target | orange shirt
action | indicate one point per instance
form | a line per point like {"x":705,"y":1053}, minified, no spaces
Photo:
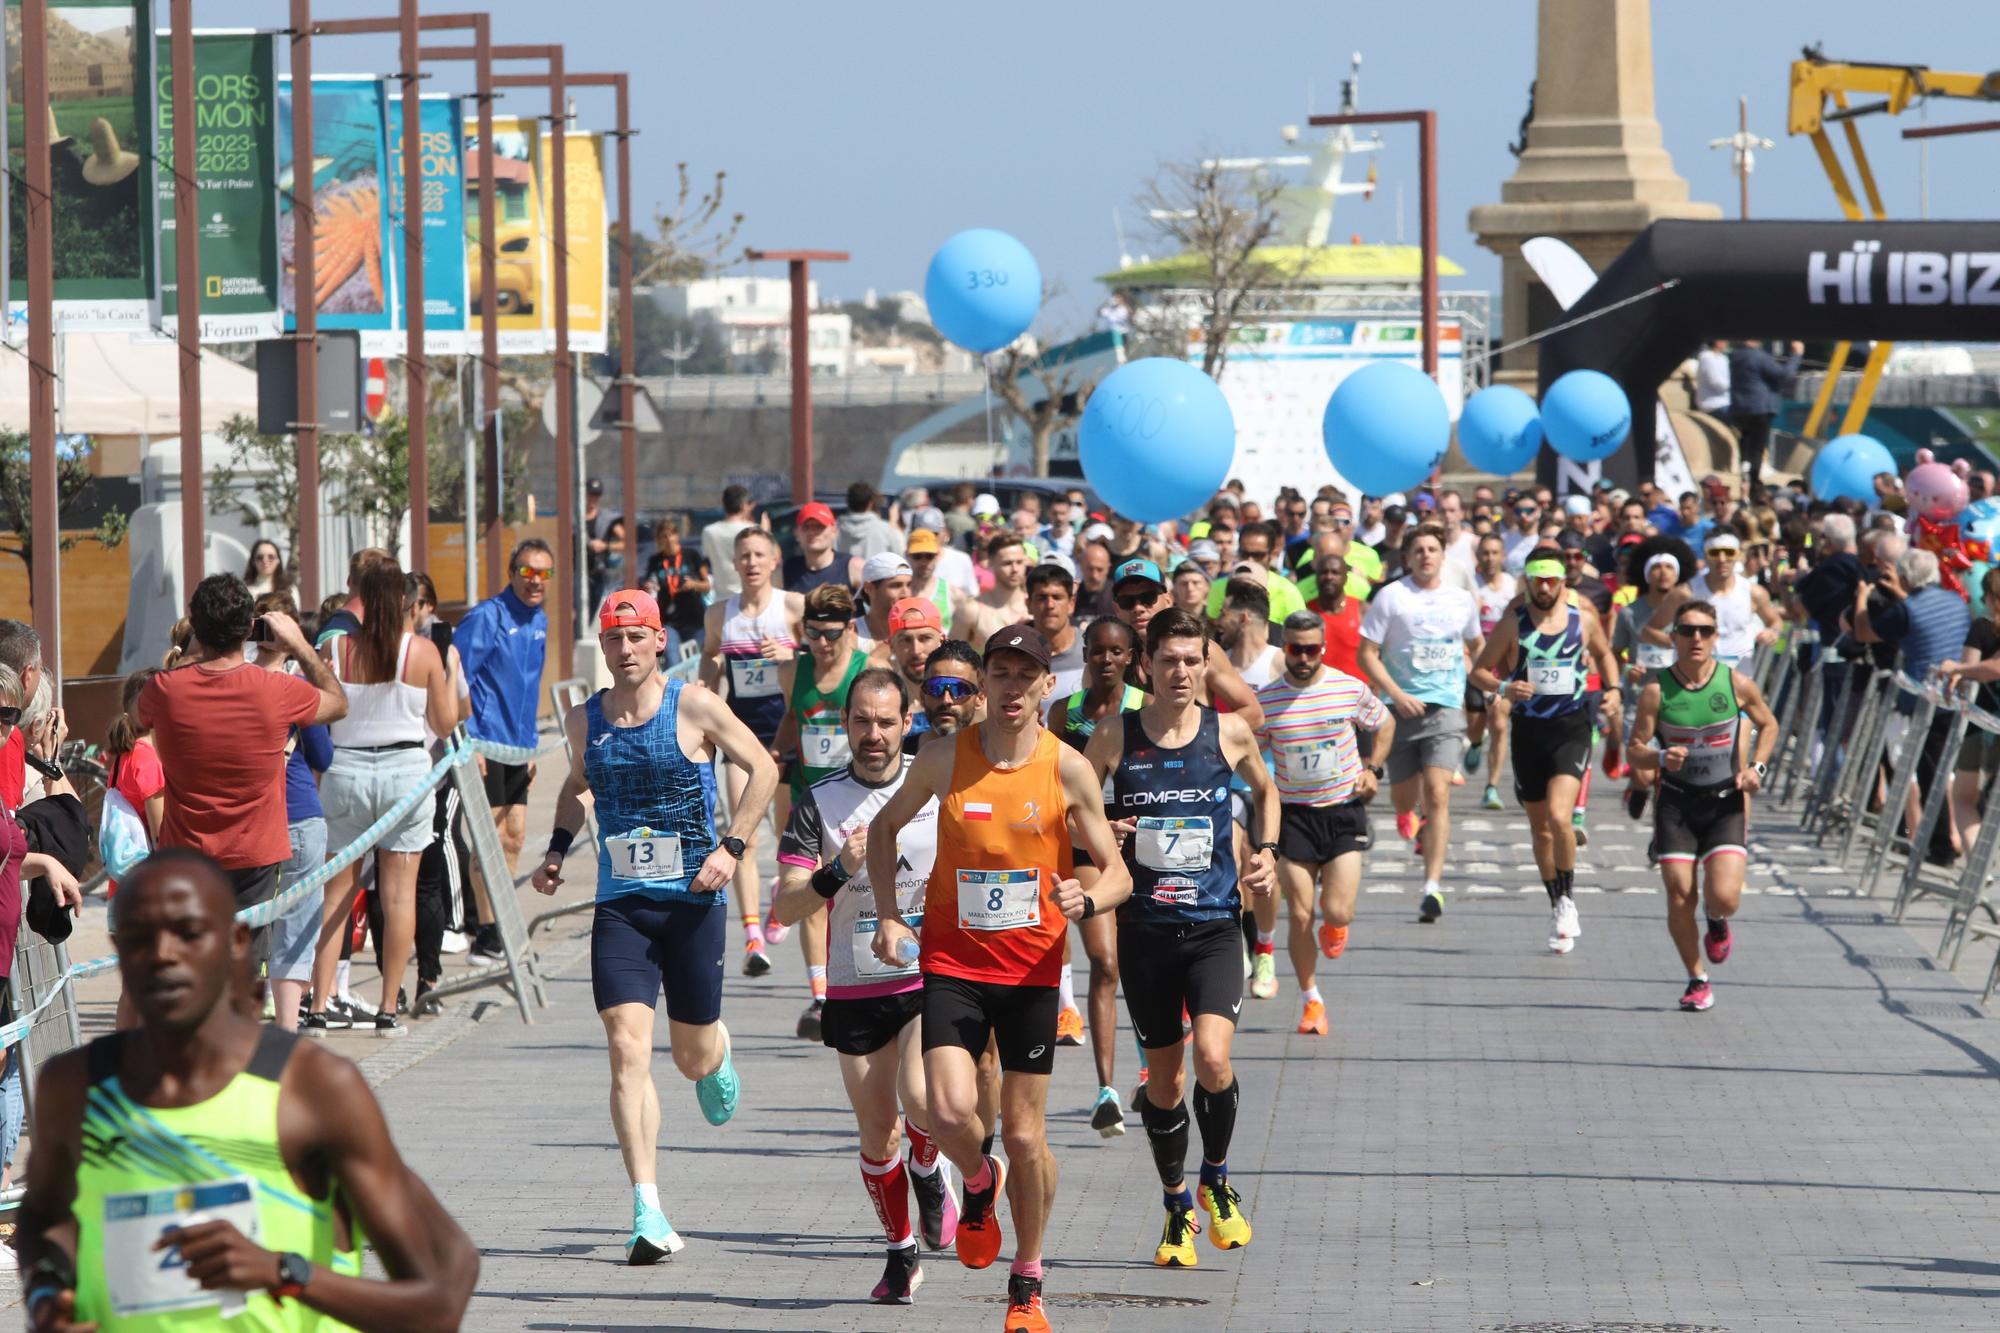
{"x":1002,"y":843}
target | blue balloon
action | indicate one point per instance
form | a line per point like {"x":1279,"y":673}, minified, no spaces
{"x":1500,"y":430}
{"x":1848,"y":465}
{"x":1156,"y":439}
{"x":1586,"y":416}
{"x":983,"y":289}
{"x":1386,"y":427}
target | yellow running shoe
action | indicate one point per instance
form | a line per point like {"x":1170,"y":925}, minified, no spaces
{"x":1177,"y":1240}
{"x":1263,"y":976}
{"x":1228,"y":1228}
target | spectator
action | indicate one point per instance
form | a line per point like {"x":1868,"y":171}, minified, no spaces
{"x":604,"y":535}
{"x":220,"y":726}
{"x":816,"y":562}
{"x":444,"y":896}
{"x":504,"y":643}
{"x":1927,"y":623}
{"x":678,"y":580}
{"x":1711,"y":379}
{"x":718,"y":545}
{"x":265,"y":571}
{"x":21,"y":653}
{"x":1757,"y":384}
{"x":863,"y":532}
{"x":295,"y":933}
{"x":395,"y":683}
{"x":132,"y":772}
{"x":346,"y":617}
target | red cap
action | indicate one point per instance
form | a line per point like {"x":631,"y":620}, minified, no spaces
{"x":915,"y":613}
{"x":629,"y":606}
{"x":816,"y":513}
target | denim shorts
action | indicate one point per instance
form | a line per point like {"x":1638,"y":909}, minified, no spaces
{"x":359,"y":788}
{"x":295,"y":934}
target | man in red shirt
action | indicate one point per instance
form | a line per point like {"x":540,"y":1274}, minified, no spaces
{"x":1340,"y":613}
{"x":220,"y":725}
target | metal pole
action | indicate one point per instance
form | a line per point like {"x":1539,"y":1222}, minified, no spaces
{"x":489,"y":301}
{"x":416,"y":370}
{"x":468,"y":385}
{"x":802,"y":418}
{"x":1742,"y":174}
{"x":187,"y":282}
{"x":1427,"y":149}
{"x":44,"y":505}
{"x":628,"y":356}
{"x":304,"y":286}
{"x":567,"y":491}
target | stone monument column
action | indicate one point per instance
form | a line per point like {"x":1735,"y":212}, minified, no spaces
{"x":1593,"y":172}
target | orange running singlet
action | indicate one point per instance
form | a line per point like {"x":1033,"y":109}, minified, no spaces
{"x":1002,"y":842}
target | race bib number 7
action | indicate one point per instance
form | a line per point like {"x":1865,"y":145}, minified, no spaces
{"x":1173,"y":844}
{"x":999,"y":899}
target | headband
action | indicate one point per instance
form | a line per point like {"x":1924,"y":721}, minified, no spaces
{"x":1546,"y":569}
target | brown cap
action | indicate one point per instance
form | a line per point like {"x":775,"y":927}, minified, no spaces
{"x":1022,"y":638}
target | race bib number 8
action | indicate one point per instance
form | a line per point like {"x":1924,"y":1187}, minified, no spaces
{"x":1556,"y":678}
{"x":144,"y":1281}
{"x":644,"y":854}
{"x":999,"y":899}
{"x":753,"y":677}
{"x":866,"y":965}
{"x":823,"y":745}
{"x":1174,"y":844}
{"x":1435,"y":655}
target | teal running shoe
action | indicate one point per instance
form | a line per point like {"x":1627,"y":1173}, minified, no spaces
{"x":653,"y":1237}
{"x":717,"y":1091}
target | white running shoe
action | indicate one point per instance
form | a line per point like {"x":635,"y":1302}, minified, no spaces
{"x":454,"y":941}
{"x":1563,"y":927}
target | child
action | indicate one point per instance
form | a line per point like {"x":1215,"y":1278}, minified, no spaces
{"x":132,"y":768}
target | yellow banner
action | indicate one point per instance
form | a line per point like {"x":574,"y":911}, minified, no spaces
{"x":522,"y":236}
{"x":586,"y":245}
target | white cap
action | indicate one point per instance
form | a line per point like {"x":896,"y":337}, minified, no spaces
{"x":930,"y":519}
{"x":885,"y":565}
{"x":1397,"y":498}
{"x":1578,"y":505}
{"x":1098,"y":532}
{"x":985,"y":504}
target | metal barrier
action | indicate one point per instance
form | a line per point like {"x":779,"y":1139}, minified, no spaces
{"x":1885,"y":824}
{"x":1966,"y":886}
{"x":1826,"y":769}
{"x":1853,"y":781}
{"x":1800,"y":723}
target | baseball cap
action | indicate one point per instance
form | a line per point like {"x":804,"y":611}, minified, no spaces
{"x":883,"y":565}
{"x":629,"y":606}
{"x":1022,"y":638}
{"x":930,"y":519}
{"x":915,"y":613}
{"x":1577,"y":505}
{"x":985,"y":504}
{"x":922,"y":542}
{"x":1060,"y":561}
{"x":1098,"y":532}
{"x":1569,"y":541}
{"x":1140,"y":568}
{"x":1396,"y":498}
{"x":816,"y":513}
{"x":596,"y":486}
{"x":1204,"y":550}
{"x":1425,"y":500}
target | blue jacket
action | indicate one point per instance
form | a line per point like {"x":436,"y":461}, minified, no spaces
{"x":1757,"y":381}
{"x":503,"y":643}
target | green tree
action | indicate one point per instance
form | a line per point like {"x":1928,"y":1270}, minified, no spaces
{"x":260,"y":482}
{"x":73,"y":483}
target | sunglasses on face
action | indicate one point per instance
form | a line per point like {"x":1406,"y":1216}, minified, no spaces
{"x":1695,"y":631}
{"x":533,"y":575}
{"x":950,"y":687}
{"x":1304,"y":649}
{"x":825,"y":633}
{"x":1132,"y":601}
{"x":1525,"y":511}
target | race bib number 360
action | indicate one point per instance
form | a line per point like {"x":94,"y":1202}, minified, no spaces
{"x":999,"y":899}
{"x":1435,"y":655}
{"x":144,"y":1281}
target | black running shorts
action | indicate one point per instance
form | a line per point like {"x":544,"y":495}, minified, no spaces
{"x":1165,"y":966}
{"x":506,"y":784}
{"x":1548,"y":747}
{"x":1694,"y":826}
{"x":1020,"y":1019}
{"x":865,"y":1026}
{"x":1312,"y":835}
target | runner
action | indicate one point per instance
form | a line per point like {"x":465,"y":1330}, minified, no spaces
{"x":1244,"y":632}
{"x":886,"y":579}
{"x":1493,"y":588}
{"x":1107,"y":646}
{"x":1012,"y":801}
{"x":1169,"y":765}
{"x":1006,"y":602}
{"x":1545,"y":650}
{"x":1052,"y":610}
{"x":1313,"y":717}
{"x":813,"y":731}
{"x":924,"y":553}
{"x":1744,"y":611}
{"x":1137,"y":594}
{"x":950,"y":696}
{"x":1417,"y":637}
{"x":1702,"y":816}
{"x":1657,"y":566}
{"x":914,"y":634}
{"x":751,"y":639}
{"x":643,"y":748}
{"x":871,"y":1012}
{"x":200,"y":1128}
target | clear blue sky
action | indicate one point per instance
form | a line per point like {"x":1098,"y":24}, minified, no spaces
{"x":881,"y":128}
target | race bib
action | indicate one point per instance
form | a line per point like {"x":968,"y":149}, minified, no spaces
{"x":1653,"y":656}
{"x":999,"y":899}
{"x":1435,"y":655}
{"x":644,"y":854}
{"x":1307,"y":763}
{"x":824,"y":745}
{"x":753,"y":677}
{"x":866,"y":965}
{"x":1173,"y":844}
{"x":145,"y":1281}
{"x":1728,"y":661}
{"x":1552,"y":678}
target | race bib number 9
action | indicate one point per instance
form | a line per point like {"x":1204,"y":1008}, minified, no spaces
{"x":866,"y":965}
{"x":823,"y":745}
{"x":1173,"y":844}
{"x":644,"y":854}
{"x":1435,"y":655}
{"x":999,"y":899}
{"x":1557,"y":678}
{"x":753,"y":677}
{"x":144,"y":1281}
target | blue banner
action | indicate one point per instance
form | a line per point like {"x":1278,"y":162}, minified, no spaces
{"x":356,"y":261}
{"x":445,"y":293}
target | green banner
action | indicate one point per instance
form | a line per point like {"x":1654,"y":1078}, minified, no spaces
{"x":100,"y":105}
{"x":236,"y":184}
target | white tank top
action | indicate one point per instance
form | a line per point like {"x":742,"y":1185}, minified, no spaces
{"x":389,"y":713}
{"x":1735,"y":618}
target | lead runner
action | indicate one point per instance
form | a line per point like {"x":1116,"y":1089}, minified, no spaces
{"x":1012,"y":800}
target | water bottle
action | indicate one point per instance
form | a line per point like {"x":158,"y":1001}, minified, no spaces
{"x":906,"y":952}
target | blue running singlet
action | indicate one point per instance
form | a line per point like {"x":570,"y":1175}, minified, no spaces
{"x":655,"y":807}
{"x":1183,"y":854}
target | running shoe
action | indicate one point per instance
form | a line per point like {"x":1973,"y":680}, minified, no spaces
{"x":1333,"y":940}
{"x":1472,"y":755}
{"x":1408,"y":824}
{"x":1024,"y":1305}
{"x":1457,"y":778}
{"x":358,"y":1012}
{"x":717,"y":1091}
{"x":1697,"y":996}
{"x":1491,"y":801}
{"x":318,"y":1025}
{"x":1069,"y":1028}
{"x":653,"y":1237}
{"x":1264,"y":975}
{"x":386,"y":1025}
{"x":1431,"y":908}
{"x":901,"y":1277}
{"x":1561,"y":938}
{"x":1716,"y":943}
{"x":1576,"y":824}
{"x":486,"y":944}
{"x":937,"y":1206}
{"x":1635,"y":800}
{"x":979,"y":1221}
{"x":1105,"y":1117}
{"x":811,"y":1026}
{"x":1228,"y":1228}
{"x":756,"y":962}
{"x":1176,"y":1249}
{"x":1139,"y":1093}
{"x":454,"y":941}
{"x":1312,"y":1022}
{"x":774,"y":930}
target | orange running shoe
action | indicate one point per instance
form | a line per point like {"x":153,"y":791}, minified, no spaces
{"x":1024,"y":1305}
{"x":1408,"y":825}
{"x":979,"y":1223}
{"x":1312,"y":1023}
{"x":1332,"y":940}
{"x":1069,"y":1028}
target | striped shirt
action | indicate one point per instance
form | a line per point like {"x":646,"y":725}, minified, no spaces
{"x":1310,"y":733}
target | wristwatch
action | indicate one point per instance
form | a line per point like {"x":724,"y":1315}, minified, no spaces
{"x":1379,"y":771}
{"x":1760,"y":769}
{"x":734,"y":846}
{"x":1270,"y":847}
{"x":294,"y":1272}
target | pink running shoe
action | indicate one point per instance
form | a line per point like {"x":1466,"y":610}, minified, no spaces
{"x":1697,"y":997}
{"x":774,"y":933}
{"x":1716,"y":943}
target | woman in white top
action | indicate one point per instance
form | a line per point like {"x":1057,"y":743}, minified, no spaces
{"x":396,"y":685}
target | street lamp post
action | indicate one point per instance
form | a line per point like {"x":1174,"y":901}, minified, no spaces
{"x":43,"y":505}
{"x":628,"y":357}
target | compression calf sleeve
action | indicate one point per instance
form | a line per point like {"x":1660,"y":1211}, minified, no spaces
{"x":1167,"y":1135}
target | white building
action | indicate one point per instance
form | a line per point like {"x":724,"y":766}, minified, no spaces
{"x":755,"y":315}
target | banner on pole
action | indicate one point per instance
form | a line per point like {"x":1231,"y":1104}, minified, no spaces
{"x":521,"y":241}
{"x":355,"y":258}
{"x":585,"y":247}
{"x":236,"y":184}
{"x":100,"y":64}
{"x":446,"y":306}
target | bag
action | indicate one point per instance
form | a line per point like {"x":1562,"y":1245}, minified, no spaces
{"x":121,"y":835}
